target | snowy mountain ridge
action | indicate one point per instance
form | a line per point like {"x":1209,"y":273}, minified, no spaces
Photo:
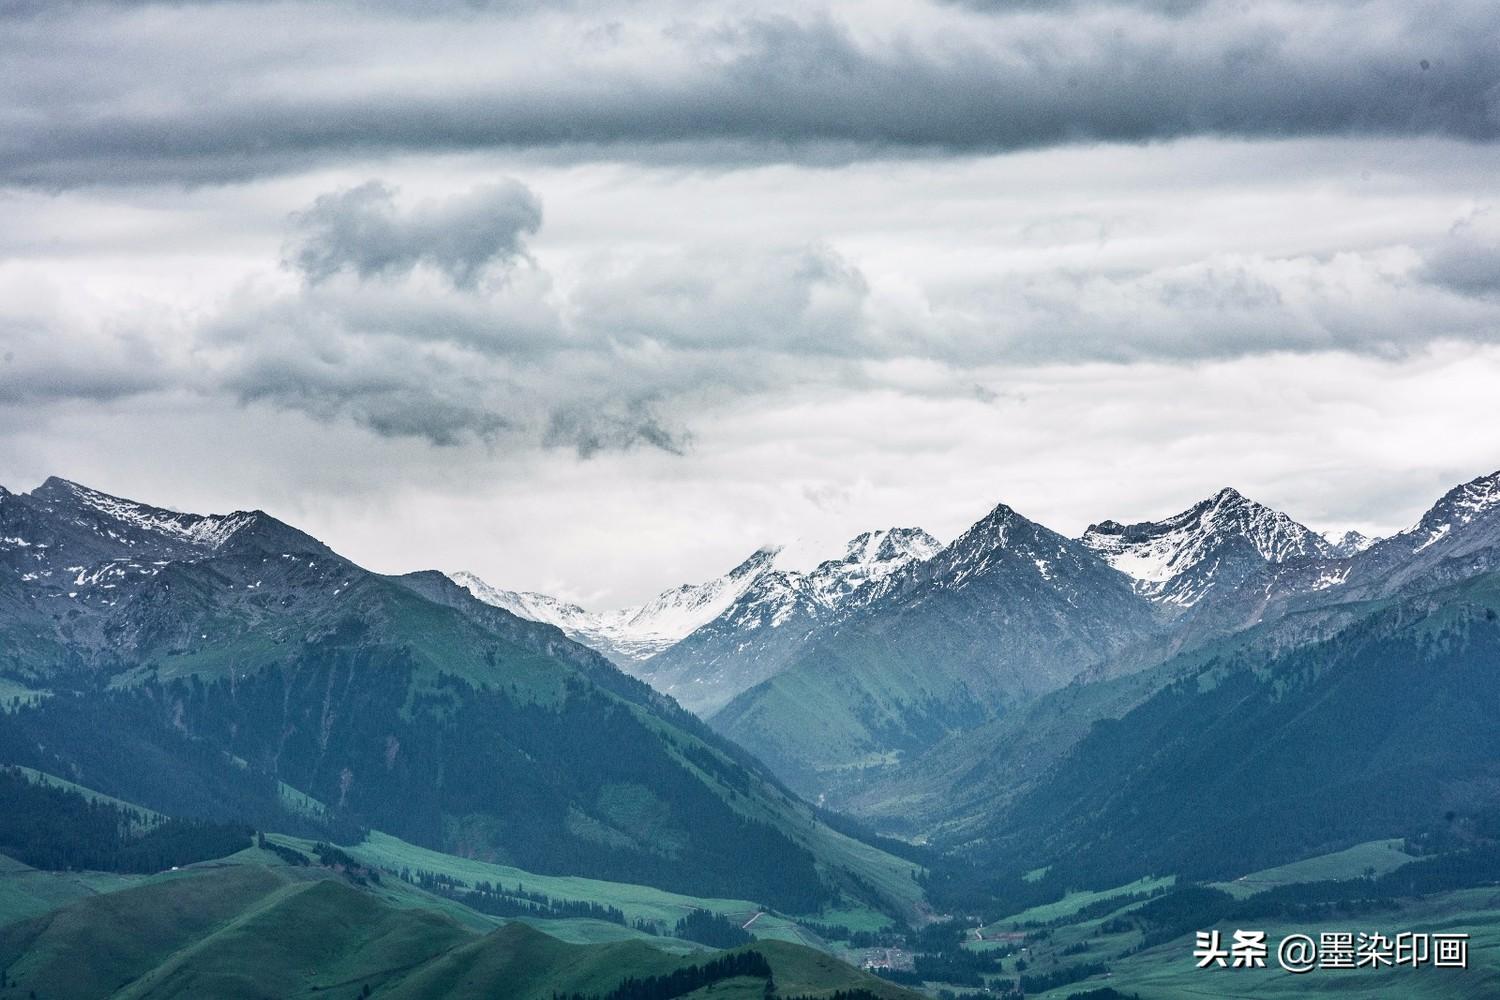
{"x":1219,"y":540}
{"x":1457,"y":508}
{"x":1348,"y":543}
{"x":127,"y":521}
{"x":758,"y":592}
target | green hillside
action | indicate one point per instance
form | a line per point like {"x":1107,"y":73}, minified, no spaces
{"x":265,"y":680}
{"x":252,"y":930}
{"x":1008,"y":611}
{"x":1260,"y":758}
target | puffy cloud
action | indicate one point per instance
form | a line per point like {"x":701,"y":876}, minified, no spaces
{"x":362,"y":230}
{"x":433,"y":321}
{"x":592,"y":429}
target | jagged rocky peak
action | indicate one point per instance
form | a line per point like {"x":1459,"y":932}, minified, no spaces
{"x":1466,"y":503}
{"x":891,"y":544}
{"x":1348,"y":543}
{"x":1177,"y":559}
{"x":133,"y":523}
{"x":1004,"y":543}
{"x":757,"y":562}
{"x":1461,"y":506}
{"x":992,"y":530}
{"x":68,"y":541}
{"x":869,"y":558}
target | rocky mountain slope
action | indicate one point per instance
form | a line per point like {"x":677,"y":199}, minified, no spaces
{"x":1007,"y":611}
{"x":970,"y":784}
{"x":757,"y":636}
{"x":1217,"y":542}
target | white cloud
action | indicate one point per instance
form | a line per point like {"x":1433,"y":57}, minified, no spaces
{"x":748,"y":349}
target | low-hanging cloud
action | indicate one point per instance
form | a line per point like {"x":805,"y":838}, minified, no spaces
{"x":803,"y":300}
{"x":592,"y":428}
{"x":364,"y":231}
{"x":411,"y":326}
{"x":118,"y":95}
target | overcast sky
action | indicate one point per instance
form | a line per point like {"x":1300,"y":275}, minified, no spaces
{"x":596,"y":298}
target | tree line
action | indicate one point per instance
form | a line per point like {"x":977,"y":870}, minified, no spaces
{"x":61,"y":829}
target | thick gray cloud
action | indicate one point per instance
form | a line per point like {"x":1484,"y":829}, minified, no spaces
{"x":590,"y":429}
{"x":137,"y":95}
{"x":1467,"y":259}
{"x":362,"y":230}
{"x":368,"y":339}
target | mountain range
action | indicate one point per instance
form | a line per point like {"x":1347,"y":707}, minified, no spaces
{"x":1220,"y":691}
{"x":1271,"y":723}
{"x":234,"y":667}
{"x":705,"y":643}
{"x":864,"y":703}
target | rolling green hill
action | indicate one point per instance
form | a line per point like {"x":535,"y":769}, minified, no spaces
{"x":254,"y":930}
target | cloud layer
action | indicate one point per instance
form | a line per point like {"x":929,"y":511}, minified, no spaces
{"x":600,"y":296}
{"x":361,"y":230}
{"x":433,"y":319}
{"x":198,"y":92}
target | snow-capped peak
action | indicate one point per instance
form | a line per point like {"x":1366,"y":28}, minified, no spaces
{"x":869,"y":557}
{"x":524,"y":604}
{"x":208,"y":531}
{"x":1348,"y":543}
{"x":1176,"y":559}
{"x":890,"y":545}
{"x":637,"y":632}
{"x":1456,"y":508}
{"x":641,"y":631}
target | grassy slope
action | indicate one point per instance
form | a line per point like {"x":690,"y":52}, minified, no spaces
{"x":1381,"y":855}
{"x":821,"y":721}
{"x":26,"y":892}
{"x":1075,"y":901}
{"x":13,"y":694}
{"x":892,"y":879}
{"x":637,"y":902}
{"x":1117,"y":802}
{"x":952,"y":792}
{"x":233,"y":930}
{"x":1169,"y":972}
